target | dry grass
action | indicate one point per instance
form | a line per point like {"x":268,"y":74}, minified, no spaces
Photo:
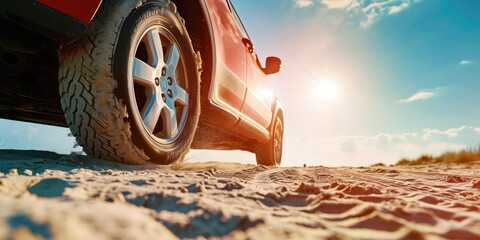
{"x":464,"y":156}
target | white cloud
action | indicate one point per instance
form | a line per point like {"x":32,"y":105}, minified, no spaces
{"x":418,"y":96}
{"x":477,"y":130}
{"x":365,"y":11}
{"x":303,"y":3}
{"x":454,"y":132}
{"x":337,"y":3}
{"x":375,"y":6}
{"x":466,"y":62}
{"x":373,"y":10}
{"x":397,"y":8}
{"x":450,"y":133}
{"x":384,"y":147}
{"x":371,"y":17}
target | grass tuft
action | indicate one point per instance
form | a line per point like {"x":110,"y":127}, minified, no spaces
{"x":464,"y":156}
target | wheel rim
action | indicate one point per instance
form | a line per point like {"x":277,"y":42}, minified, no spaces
{"x":160,"y":88}
{"x":278,"y":142}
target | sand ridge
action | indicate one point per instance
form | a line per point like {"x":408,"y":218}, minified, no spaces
{"x":46,"y":195}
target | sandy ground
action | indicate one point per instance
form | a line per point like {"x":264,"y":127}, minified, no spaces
{"x":45,"y":195}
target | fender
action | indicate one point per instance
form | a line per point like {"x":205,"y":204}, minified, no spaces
{"x":83,"y":10}
{"x":213,"y":65}
{"x":277,"y":111}
{"x":55,"y":19}
{"x":212,"y":111}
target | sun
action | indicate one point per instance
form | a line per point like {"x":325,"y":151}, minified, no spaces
{"x":327,"y":90}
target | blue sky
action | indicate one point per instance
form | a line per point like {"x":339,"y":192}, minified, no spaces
{"x":407,"y":74}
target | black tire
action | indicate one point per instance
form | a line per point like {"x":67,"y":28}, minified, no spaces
{"x":270,"y":153}
{"x":99,"y":97}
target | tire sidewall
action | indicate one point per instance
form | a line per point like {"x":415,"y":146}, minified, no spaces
{"x":278,"y":124}
{"x":140,"y":20}
{"x":265,"y":153}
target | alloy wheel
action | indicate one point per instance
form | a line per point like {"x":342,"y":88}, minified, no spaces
{"x":160,"y":86}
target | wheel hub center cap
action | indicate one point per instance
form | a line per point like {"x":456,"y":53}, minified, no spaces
{"x":163,"y":84}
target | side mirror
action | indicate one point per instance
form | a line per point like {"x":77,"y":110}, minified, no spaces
{"x":272,"y":65}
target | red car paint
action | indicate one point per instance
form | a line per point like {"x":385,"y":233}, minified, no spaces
{"x":231,"y":55}
{"x":240,"y":85}
{"x":83,"y":10}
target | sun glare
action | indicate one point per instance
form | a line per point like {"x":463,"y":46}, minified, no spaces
{"x":326,"y":90}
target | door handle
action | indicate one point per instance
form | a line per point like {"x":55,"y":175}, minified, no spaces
{"x":248,"y":45}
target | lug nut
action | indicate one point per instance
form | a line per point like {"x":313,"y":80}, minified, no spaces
{"x":157,"y":82}
{"x":170,"y":81}
{"x":164,"y":98}
{"x":169,"y":92}
{"x":164,"y":71}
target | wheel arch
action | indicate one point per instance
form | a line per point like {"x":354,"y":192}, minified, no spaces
{"x":199,"y":27}
{"x":277,"y":111}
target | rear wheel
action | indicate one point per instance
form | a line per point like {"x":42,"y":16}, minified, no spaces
{"x":270,"y":153}
{"x":130,"y":88}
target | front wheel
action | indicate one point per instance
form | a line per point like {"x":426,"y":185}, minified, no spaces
{"x":130,"y":88}
{"x":270,"y":153}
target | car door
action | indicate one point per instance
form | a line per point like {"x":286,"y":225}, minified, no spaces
{"x":257,"y":108}
{"x":229,"y":87}
{"x":259,"y":99}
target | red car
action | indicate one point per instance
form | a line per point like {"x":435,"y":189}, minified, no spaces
{"x":140,"y":81}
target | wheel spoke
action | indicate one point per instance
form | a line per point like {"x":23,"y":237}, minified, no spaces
{"x":152,"y":110}
{"x":170,"y":122}
{"x":157,"y":75}
{"x":154,"y":48}
{"x":173,"y":57}
{"x":143,"y":73}
{"x":182,"y":96}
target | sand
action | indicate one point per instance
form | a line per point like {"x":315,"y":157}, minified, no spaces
{"x":49,"y":196}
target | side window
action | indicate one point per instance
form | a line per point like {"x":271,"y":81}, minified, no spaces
{"x":236,"y":17}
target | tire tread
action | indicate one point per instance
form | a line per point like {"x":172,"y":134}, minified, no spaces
{"x":95,"y":116}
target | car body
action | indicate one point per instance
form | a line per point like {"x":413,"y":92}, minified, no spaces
{"x":238,"y":107}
